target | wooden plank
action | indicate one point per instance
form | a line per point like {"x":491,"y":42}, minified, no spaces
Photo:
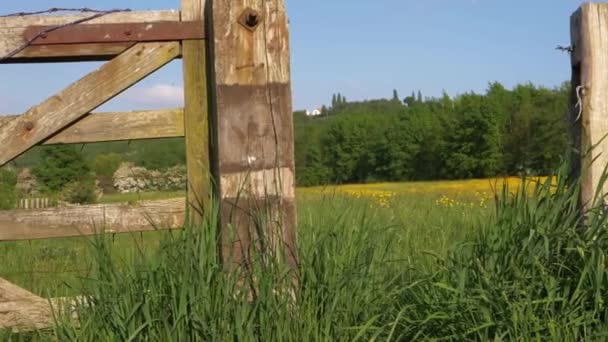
{"x":12,"y":30}
{"x":253,"y":121}
{"x":91,"y":219}
{"x":83,"y":96}
{"x":68,"y":53}
{"x":589,"y":27}
{"x":156,"y":31}
{"x":22,"y":310}
{"x":137,"y":125}
{"x":196,"y":116}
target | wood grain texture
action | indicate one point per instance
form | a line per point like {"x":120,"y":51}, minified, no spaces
{"x":13,"y":28}
{"x":91,"y":219}
{"x":21,"y":310}
{"x":589,"y":27}
{"x":253,"y":121}
{"x":68,"y":53}
{"x":196,"y":115}
{"x":61,"y":110}
{"x":136,"y":125}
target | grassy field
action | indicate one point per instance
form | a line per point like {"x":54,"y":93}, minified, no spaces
{"x":403,"y":262}
{"x":428,"y":214}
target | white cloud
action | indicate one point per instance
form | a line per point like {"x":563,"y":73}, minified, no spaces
{"x":161,"y":95}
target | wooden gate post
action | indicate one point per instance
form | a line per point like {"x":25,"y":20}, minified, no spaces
{"x":589,"y":114}
{"x":253,"y":121}
{"x":196,"y":117}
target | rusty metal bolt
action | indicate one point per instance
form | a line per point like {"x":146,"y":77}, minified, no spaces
{"x":250,"y":19}
{"x":128,"y":33}
{"x":29,"y":125}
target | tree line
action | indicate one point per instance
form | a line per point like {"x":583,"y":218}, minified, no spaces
{"x":499,"y":133}
{"x":502,"y":132}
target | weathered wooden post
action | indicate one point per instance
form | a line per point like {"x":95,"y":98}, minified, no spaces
{"x":589,"y":114}
{"x":253,"y":124}
{"x":196,"y":114}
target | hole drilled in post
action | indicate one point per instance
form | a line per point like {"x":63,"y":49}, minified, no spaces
{"x":250,"y":19}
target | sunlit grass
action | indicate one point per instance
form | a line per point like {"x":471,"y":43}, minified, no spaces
{"x":387,"y":266}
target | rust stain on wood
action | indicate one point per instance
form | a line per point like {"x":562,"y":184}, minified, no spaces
{"x":12,"y":30}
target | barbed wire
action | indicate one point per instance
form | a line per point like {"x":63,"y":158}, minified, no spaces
{"x":55,"y":10}
{"x":567,"y":49}
{"x":43,"y":33}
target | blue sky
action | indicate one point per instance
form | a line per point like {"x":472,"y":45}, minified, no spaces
{"x":361,"y":48}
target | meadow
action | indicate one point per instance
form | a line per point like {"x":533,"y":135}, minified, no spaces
{"x":429,"y":205}
{"x":477,"y":260}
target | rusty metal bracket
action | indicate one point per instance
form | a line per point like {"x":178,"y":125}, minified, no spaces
{"x":116,"y":33}
{"x":250,"y":19}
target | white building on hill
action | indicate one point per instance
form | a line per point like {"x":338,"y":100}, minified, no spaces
{"x":315,"y":112}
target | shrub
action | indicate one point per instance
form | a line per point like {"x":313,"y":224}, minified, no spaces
{"x":8,"y":192}
{"x":106,"y":164}
{"x":60,"y":166}
{"x":80,"y":192}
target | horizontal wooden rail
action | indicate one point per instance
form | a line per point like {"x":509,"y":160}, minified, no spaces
{"x":12,"y":30}
{"x":91,"y":220}
{"x":138,"y":125}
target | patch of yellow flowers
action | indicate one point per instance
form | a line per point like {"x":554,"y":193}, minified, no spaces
{"x":480,"y":200}
{"x":451,"y":194}
{"x":381,"y":198}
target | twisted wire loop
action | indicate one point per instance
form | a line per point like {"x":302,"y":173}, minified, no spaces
{"x":580,"y":92}
{"x":97,"y":14}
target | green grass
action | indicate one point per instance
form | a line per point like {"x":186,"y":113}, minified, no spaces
{"x":408,"y":268}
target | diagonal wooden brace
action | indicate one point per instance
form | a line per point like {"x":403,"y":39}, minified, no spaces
{"x":76,"y":101}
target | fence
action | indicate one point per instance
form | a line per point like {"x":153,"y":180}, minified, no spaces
{"x":34,"y":203}
{"x":236,"y":119}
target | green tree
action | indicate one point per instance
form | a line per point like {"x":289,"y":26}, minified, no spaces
{"x":396,"y":95}
{"x":60,"y":166}
{"x":472,"y":149}
{"x":344,"y":146}
{"x":314,"y":172}
{"x":410,"y":101}
{"x":324,"y":111}
{"x":159,"y":154}
{"x":106,"y":164}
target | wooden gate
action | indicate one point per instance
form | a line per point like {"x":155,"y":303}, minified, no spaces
{"x":237,"y":116}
